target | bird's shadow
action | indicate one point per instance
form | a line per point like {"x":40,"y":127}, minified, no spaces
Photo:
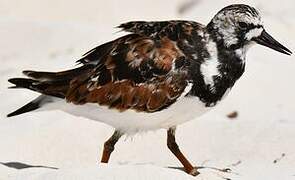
{"x":224,"y":170}
{"x":20,"y":165}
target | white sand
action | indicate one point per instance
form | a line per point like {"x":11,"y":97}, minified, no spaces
{"x":51,"y":35}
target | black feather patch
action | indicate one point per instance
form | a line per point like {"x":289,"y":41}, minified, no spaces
{"x":26,"y":108}
{"x":33,"y":105}
{"x":22,"y":82}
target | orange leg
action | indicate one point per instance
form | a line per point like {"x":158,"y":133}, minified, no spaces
{"x":172,"y":145}
{"x":109,"y":146}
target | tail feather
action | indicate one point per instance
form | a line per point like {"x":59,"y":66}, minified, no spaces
{"x":57,"y":76}
{"x":53,"y":88}
{"x":39,"y":75}
{"x":33,"y":105}
{"x":22,"y":82}
{"x":48,"y":84}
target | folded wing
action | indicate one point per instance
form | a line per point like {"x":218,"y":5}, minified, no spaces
{"x":135,"y":72}
{"x":146,"y":70}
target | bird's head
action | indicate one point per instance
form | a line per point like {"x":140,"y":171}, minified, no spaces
{"x":237,"y":26}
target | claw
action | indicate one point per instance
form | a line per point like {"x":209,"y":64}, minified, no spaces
{"x":194,"y":172}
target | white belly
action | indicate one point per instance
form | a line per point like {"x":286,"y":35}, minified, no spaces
{"x":130,"y":121}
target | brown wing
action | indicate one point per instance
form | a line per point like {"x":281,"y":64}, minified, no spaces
{"x":134,"y":72}
{"x":145,"y":71}
{"x":147,"y":97}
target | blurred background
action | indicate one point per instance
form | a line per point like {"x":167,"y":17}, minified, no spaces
{"x":258,"y":142}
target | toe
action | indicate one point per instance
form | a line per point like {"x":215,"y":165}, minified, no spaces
{"x":194,"y":172}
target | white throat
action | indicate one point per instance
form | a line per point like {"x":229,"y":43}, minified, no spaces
{"x":209,"y":68}
{"x":241,"y":52}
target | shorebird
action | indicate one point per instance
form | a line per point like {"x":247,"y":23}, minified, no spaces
{"x":160,"y":75}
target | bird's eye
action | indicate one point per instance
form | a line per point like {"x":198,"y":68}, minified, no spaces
{"x":243,"y":25}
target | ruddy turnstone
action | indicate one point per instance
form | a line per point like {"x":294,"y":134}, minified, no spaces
{"x":160,"y":75}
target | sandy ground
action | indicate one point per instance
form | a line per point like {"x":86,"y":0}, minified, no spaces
{"x":51,"y":35}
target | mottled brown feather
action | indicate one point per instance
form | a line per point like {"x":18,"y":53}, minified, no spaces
{"x":146,"y":70}
{"x":141,"y":76}
{"x":124,"y":95}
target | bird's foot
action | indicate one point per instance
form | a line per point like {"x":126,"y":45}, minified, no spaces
{"x":194,"y":172}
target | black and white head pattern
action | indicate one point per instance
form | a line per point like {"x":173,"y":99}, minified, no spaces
{"x":236,"y":25}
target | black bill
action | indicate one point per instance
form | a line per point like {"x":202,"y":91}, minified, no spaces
{"x":266,"y":40}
